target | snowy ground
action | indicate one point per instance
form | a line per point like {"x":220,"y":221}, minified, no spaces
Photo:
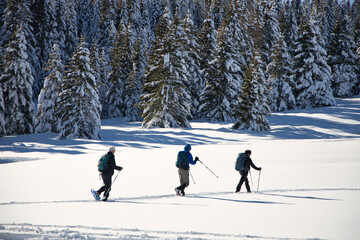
{"x":309,"y":187}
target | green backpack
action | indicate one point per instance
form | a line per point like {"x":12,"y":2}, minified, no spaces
{"x":103,"y":163}
{"x":181,"y":161}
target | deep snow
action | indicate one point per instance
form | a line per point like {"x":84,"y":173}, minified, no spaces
{"x":309,"y":186}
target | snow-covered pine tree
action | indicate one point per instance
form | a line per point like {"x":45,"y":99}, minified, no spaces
{"x":2,"y":110}
{"x":46,"y":119}
{"x":192,"y":60}
{"x":121,"y":69}
{"x":16,"y":82}
{"x":271,"y":31}
{"x":106,"y":32}
{"x":18,"y":13}
{"x":71,"y":34}
{"x":252,"y":107}
{"x":134,"y":88}
{"x":79,"y":100}
{"x":290,"y":28}
{"x":166,"y":99}
{"x":104,"y":70}
{"x":311,"y":71}
{"x":280,"y":81}
{"x":88,"y":19}
{"x":328,"y":19}
{"x":226,"y":71}
{"x":343,"y":60}
{"x":61,"y":26}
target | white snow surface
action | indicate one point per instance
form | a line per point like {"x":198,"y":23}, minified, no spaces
{"x":309,"y":186}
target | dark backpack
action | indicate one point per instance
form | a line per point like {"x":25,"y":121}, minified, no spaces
{"x":240,"y":161}
{"x":103,"y":163}
{"x":181,"y":161}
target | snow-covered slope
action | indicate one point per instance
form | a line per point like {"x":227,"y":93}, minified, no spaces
{"x":309,"y":186}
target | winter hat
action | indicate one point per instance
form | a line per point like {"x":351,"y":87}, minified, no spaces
{"x":188,"y":147}
{"x":112,"y":149}
{"x":247,"y":152}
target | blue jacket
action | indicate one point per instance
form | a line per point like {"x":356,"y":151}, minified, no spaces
{"x":190,"y":159}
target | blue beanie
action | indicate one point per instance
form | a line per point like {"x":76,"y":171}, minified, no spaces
{"x":187,"y":147}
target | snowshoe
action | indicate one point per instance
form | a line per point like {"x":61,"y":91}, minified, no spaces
{"x":95,"y":194}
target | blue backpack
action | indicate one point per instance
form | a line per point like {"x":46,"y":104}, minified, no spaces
{"x":240,"y":161}
{"x":181,"y":161}
{"x":103,"y":163}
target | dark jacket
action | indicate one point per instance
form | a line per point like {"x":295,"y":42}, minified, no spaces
{"x":190,"y":159}
{"x":111,"y":165}
{"x":248,"y":162}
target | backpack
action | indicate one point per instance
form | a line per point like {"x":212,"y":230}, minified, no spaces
{"x":103,"y":163}
{"x":181,"y":161}
{"x":240,"y":160}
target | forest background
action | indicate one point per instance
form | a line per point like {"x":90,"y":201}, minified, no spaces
{"x":65,"y":65}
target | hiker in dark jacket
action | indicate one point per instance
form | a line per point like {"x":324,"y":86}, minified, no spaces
{"x":107,"y":174}
{"x":184,"y":171}
{"x":245,"y":171}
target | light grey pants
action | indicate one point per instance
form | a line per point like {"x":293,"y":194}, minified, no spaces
{"x":184,"y":177}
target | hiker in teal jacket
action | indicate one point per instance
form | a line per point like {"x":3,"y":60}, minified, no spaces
{"x":184,"y":171}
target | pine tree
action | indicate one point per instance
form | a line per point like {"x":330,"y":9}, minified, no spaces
{"x":192,"y":60}
{"x":71,"y":34}
{"x":252,"y":108}
{"x":88,"y":19}
{"x":18,"y":13}
{"x":166,"y":99}
{"x":280,"y":72}
{"x":121,"y":70}
{"x":46,"y":119}
{"x":79,"y":101}
{"x":290,"y":29}
{"x":208,"y":46}
{"x":271,"y":30}
{"x":16,"y":82}
{"x":61,"y":26}
{"x":134,"y":87}
{"x":2,"y":110}
{"x":343,"y":60}
{"x":104,"y":70}
{"x":226,"y":71}
{"x":311,"y":72}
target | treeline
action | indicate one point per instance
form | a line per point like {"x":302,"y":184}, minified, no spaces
{"x":165,"y":62}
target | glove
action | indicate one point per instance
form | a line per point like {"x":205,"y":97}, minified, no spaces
{"x":121,"y":168}
{"x":196,"y":159}
{"x":260,"y":169}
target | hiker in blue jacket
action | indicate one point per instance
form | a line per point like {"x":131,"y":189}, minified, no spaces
{"x":184,"y":168}
{"x":243,"y":164}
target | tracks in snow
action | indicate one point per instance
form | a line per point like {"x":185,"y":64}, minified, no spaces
{"x":275,"y":192}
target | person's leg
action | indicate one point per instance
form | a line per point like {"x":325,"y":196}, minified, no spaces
{"x":103,"y":188}
{"x":107,"y":182}
{"x":184,"y":180}
{"x":242,"y":180}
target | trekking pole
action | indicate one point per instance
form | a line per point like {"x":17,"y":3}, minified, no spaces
{"x":112,"y":183}
{"x":208,"y":168}
{"x":192,"y":177}
{"x":251,"y":179}
{"x":258,"y":181}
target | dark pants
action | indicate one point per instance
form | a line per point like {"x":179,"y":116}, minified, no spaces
{"x":243,"y":179}
{"x":106,"y":187}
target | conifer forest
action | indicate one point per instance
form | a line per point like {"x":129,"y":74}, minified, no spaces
{"x":67,"y":64}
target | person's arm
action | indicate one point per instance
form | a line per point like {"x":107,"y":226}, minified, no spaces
{"x":190,"y":159}
{"x":253,"y":165}
{"x":113,"y":163}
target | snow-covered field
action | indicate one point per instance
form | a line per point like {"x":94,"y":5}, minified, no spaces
{"x":309,"y":187}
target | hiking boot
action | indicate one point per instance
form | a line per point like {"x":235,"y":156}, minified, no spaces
{"x":182,"y":193}
{"x":177,"y":191}
{"x":104,"y":199}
